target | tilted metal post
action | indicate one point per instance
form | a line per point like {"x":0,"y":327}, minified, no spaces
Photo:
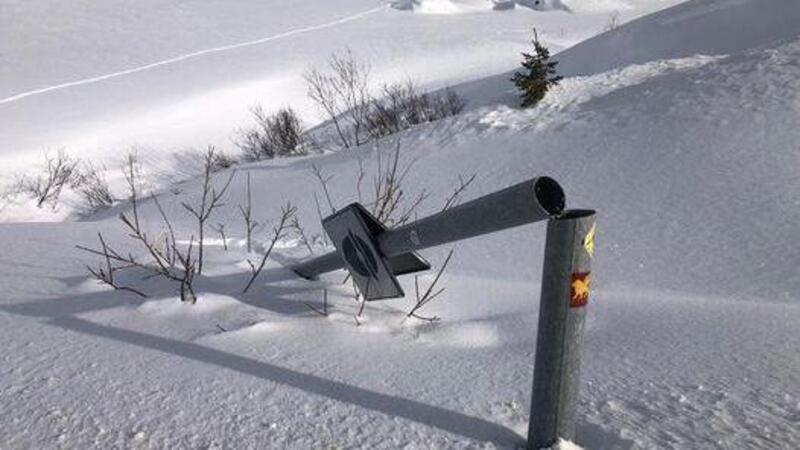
{"x":565,"y":294}
{"x":523,"y":203}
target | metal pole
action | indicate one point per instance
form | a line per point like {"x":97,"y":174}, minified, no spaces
{"x":565,"y":293}
{"x":527,"y":202}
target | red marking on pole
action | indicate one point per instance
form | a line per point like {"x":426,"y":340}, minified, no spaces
{"x":579,"y":289}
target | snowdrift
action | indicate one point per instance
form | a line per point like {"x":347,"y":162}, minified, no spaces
{"x":718,"y":27}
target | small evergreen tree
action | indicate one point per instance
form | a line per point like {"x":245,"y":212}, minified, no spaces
{"x":539,"y":75}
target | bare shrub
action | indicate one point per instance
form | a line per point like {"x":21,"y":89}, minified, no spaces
{"x":210,"y":199}
{"x":168,"y":259}
{"x":613,"y":22}
{"x":59,"y":171}
{"x":388,"y":201}
{"x":105,"y":274}
{"x":93,"y":187}
{"x":342,"y":94}
{"x":221,"y":161}
{"x":402,"y":106}
{"x":274,"y":135}
{"x":390,"y":204}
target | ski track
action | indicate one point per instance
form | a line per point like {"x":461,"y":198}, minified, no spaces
{"x":195,"y":54}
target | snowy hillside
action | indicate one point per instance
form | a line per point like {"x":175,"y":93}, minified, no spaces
{"x":97,"y":77}
{"x":680,"y":128}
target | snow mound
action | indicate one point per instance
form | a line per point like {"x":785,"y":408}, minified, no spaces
{"x":173,"y":307}
{"x":254,"y":333}
{"x":440,"y":6}
{"x":565,"y":445}
{"x":597,"y":6}
{"x":712,"y":27}
{"x":567,"y":97}
{"x":462,"y":335}
{"x":543,"y":5}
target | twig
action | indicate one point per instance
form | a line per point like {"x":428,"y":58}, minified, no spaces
{"x":170,"y":240}
{"x":319,"y":214}
{"x":323,"y":181}
{"x":220,"y":228}
{"x":247,"y":213}
{"x":106,"y":276}
{"x":286,"y":213}
{"x":324,"y":311}
{"x":207,"y":205}
{"x":295,"y":225}
{"x":455,"y":197}
{"x":363,"y":300}
{"x":430,"y":294}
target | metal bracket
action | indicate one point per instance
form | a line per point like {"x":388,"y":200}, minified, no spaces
{"x":354,"y":233}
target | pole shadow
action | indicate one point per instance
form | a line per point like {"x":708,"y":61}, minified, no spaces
{"x":450,"y":421}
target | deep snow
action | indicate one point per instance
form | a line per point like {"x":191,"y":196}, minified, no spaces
{"x":688,"y":152}
{"x":169,"y":77}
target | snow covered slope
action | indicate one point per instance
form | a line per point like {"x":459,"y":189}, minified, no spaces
{"x":98,"y":77}
{"x":690,"y":156}
{"x":718,"y":27}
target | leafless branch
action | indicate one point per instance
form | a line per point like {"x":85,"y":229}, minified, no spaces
{"x":301,"y":234}
{"x":323,"y":181}
{"x":389,"y":205}
{"x":319,"y":214}
{"x":210,"y":200}
{"x":170,"y":240}
{"x":59,"y":171}
{"x":220,"y":228}
{"x":455,"y":197}
{"x":247,"y":214}
{"x":430,"y":293}
{"x":93,"y":187}
{"x":105,"y":274}
{"x":278,"y":232}
{"x":163,"y":260}
{"x":342,"y":93}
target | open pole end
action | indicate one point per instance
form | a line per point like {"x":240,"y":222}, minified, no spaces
{"x":550,"y":195}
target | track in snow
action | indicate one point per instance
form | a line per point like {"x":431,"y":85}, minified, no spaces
{"x":195,"y":54}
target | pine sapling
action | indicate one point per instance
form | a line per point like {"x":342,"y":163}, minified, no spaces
{"x":539,"y":74}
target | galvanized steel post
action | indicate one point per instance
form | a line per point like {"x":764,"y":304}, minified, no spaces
{"x":523,"y":203}
{"x":565,"y":293}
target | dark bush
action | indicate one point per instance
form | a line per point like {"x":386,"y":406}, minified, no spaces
{"x":277,"y":135}
{"x":403,"y":106}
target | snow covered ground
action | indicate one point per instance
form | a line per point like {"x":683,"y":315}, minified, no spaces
{"x":680,"y":128}
{"x":99,"y":77}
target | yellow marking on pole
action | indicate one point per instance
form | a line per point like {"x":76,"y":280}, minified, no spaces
{"x":579,"y":289}
{"x":588,"y":242}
